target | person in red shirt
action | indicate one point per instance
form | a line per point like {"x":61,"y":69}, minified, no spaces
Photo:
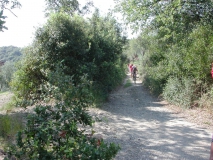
{"x":212,"y":70}
{"x":130,"y":69}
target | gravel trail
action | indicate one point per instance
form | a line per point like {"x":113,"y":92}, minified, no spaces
{"x":147,"y":130}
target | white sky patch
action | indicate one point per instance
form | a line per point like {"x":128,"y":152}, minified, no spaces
{"x":21,"y":29}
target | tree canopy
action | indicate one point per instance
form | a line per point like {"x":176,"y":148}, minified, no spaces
{"x":68,"y":6}
{"x":176,"y":39}
{"x":155,"y":13}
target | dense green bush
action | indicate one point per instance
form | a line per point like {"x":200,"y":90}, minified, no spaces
{"x":27,"y":79}
{"x":180,"y":91}
{"x":10,"y":125}
{"x":6,"y":73}
{"x":70,"y":62}
{"x":93,"y":48}
{"x":57,"y":130}
{"x":190,"y":57}
{"x":106,"y":52}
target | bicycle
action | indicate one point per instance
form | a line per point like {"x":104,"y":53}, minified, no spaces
{"x":134,"y":77}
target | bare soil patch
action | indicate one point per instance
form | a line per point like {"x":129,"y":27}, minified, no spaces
{"x":5,"y":98}
{"x":203,"y":117}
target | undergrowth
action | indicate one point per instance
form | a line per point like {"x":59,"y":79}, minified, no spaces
{"x":179,"y":92}
{"x":10,"y":124}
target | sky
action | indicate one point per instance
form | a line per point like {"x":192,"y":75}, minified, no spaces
{"x":21,"y":29}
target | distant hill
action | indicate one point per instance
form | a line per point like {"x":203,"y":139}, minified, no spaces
{"x":10,"y":53}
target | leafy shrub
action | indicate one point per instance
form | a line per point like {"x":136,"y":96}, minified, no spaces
{"x":154,"y":85}
{"x":155,"y":78}
{"x":28,"y":77}
{"x":82,"y":47}
{"x":10,"y":125}
{"x":206,"y":99}
{"x":57,"y":131}
{"x":6,"y":72}
{"x":180,"y":91}
{"x":70,"y":62}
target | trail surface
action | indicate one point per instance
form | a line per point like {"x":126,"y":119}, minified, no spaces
{"x":147,"y":130}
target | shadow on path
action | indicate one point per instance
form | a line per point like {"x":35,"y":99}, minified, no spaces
{"x":146,"y":130}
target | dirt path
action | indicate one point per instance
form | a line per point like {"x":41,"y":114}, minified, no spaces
{"x":147,"y":130}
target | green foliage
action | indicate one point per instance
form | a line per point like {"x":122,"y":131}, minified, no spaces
{"x":134,"y":50}
{"x":68,"y":6}
{"x":2,"y":22}
{"x":6,"y":73}
{"x":154,"y":85}
{"x":93,"y":48}
{"x":106,"y":52}
{"x":28,"y":77}
{"x":9,"y":4}
{"x":176,"y":40}
{"x":180,"y":92}
{"x":181,"y":14}
{"x":10,"y":53}
{"x":10,"y":125}
{"x":197,"y":55}
{"x":63,"y":39}
{"x":57,"y":131}
{"x":70,"y":62}
{"x":190,"y":57}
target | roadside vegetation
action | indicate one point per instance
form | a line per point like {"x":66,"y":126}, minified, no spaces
{"x":173,"y":49}
{"x":74,"y":63}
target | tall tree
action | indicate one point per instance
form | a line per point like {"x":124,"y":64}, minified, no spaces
{"x":149,"y":12}
{"x":68,"y":6}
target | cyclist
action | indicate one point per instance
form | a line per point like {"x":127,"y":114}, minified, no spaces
{"x":134,"y":71}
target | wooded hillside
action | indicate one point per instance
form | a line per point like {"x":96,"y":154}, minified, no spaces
{"x":10,"y":53}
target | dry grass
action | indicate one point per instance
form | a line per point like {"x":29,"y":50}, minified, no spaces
{"x":203,"y":117}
